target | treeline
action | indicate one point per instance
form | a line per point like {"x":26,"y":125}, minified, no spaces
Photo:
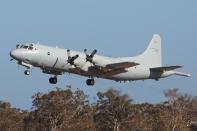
{"x":67,"y":110}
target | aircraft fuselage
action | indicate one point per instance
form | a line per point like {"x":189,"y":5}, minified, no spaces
{"x":56,"y":61}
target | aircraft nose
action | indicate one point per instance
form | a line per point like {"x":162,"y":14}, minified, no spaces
{"x":14,"y":54}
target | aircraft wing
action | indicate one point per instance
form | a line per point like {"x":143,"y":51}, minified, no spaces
{"x":121,"y":65}
{"x":165,"y":68}
{"x":114,"y":72}
{"x":113,"y":69}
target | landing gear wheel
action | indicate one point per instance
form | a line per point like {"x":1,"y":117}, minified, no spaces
{"x":90,"y":82}
{"x":53,"y":80}
{"x":27,"y":72}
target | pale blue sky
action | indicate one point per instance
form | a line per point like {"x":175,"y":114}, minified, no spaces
{"x":113,"y":27}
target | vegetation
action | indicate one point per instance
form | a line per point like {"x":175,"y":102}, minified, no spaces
{"x":67,"y":110}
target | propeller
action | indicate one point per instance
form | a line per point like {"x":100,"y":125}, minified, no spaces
{"x":17,"y":46}
{"x":90,"y":57}
{"x":71,"y":59}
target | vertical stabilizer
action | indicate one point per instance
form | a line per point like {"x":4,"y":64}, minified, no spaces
{"x":153,"y":54}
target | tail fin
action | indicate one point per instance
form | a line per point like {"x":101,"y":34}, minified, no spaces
{"x":153,"y":54}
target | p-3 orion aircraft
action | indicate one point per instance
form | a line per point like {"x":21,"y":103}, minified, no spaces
{"x":56,"y":61}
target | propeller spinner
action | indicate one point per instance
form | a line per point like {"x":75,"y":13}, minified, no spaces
{"x":71,"y":59}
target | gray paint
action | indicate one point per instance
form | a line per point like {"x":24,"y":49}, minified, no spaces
{"x":54,"y":61}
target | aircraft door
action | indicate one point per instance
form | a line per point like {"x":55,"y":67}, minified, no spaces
{"x":48,"y":59}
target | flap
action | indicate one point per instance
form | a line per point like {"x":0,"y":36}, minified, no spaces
{"x":113,"y":69}
{"x":114,"y":72}
{"x":121,"y":65}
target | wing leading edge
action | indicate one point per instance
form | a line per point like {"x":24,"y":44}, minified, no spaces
{"x":165,"y":68}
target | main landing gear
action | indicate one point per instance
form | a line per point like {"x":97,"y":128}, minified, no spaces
{"x":53,"y":80}
{"x":90,"y":82}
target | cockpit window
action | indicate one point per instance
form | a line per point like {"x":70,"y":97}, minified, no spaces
{"x":29,"y":47}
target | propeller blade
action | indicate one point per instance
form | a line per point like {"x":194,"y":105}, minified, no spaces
{"x":72,"y":59}
{"x":93,"y":53}
{"x":17,"y":46}
{"x":75,"y":57}
{"x":85,"y":51}
{"x":90,"y":57}
{"x":68,"y":53}
{"x":11,"y":59}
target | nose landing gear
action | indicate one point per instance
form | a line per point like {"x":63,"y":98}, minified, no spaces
{"x":90,"y":82}
{"x":27,"y":72}
{"x":53,"y":80}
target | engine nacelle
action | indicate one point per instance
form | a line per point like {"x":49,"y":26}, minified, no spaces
{"x":82,"y":64}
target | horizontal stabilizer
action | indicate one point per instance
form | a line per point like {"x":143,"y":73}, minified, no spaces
{"x":182,"y":74}
{"x":165,"y":68}
{"x":169,"y":70}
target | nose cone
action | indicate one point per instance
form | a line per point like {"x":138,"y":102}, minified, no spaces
{"x":15,"y":54}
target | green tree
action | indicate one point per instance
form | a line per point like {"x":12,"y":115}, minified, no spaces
{"x":68,"y":110}
{"x":112,"y":111}
{"x":147,"y":117}
{"x":176,"y":114}
{"x":60,"y":110}
{"x":11,"y":119}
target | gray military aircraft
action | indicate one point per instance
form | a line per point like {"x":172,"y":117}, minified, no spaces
{"x":57,"y":61}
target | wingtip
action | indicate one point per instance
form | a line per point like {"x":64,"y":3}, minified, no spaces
{"x":189,"y":75}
